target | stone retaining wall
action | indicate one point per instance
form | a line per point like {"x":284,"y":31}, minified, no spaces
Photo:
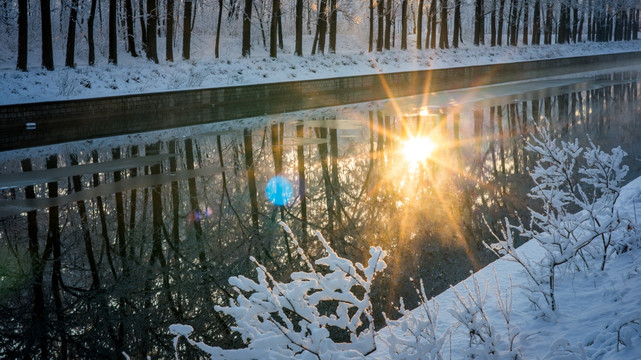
{"x":60,"y":121}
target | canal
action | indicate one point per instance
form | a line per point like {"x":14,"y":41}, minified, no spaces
{"x":106,"y":242}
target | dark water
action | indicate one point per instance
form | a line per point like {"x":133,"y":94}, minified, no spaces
{"x":105,"y":243}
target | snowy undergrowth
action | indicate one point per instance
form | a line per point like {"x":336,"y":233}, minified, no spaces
{"x":577,"y":223}
{"x":294,"y":320}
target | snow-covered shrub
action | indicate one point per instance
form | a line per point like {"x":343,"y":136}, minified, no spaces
{"x":67,"y":83}
{"x":415,"y":334}
{"x":485,"y":341}
{"x":571,"y":216}
{"x":280,"y":320}
{"x":628,"y":328}
{"x":562,"y":349}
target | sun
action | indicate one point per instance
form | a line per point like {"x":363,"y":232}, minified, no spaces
{"x":418,"y":149}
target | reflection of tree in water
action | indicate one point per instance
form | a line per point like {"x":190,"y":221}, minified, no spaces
{"x":101,"y":274}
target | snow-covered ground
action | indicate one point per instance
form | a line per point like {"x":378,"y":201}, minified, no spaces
{"x":136,"y":75}
{"x":599,"y":314}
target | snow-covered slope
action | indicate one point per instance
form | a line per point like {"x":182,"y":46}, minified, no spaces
{"x":599,"y":313}
{"x":136,"y":75}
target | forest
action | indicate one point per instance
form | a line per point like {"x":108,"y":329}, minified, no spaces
{"x":90,"y":31}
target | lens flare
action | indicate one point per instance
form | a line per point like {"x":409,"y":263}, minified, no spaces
{"x":418,"y":149}
{"x":279,"y":191}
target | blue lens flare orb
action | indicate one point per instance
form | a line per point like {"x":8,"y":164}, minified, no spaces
{"x":279,"y":191}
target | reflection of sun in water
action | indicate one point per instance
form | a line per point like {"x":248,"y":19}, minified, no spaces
{"x":417,"y":149}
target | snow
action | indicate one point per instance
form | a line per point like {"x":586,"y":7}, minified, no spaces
{"x":490,"y":315}
{"x":138,"y":75}
{"x":598,"y":315}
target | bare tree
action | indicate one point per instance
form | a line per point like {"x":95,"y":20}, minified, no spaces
{"x":380,"y":24}
{"x":419,"y":25}
{"x":152,"y":22}
{"x":169,"y":38}
{"x":299,"y":27}
{"x":273,"y":29}
{"x":247,"y":23}
{"x":479,"y":23}
{"x":113,"y":40}
{"x":23,"y":34}
{"x":131,"y":40}
{"x":456,"y":36}
{"x":71,"y":35}
{"x":404,"y":25}
{"x":333,"y":23}
{"x":187,"y":30}
{"x":536,"y":23}
{"x":47,"y":42}
{"x":442,"y":43}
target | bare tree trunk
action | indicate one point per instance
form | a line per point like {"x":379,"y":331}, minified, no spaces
{"x":404,"y":25}
{"x":152,"y":21}
{"x":71,"y":35}
{"x":526,"y":20}
{"x":513,"y":25}
{"x":23,"y":34}
{"x":322,"y":26}
{"x":479,"y":23}
{"x":333,"y":19}
{"x":433,"y":22}
{"x":169,"y":24}
{"x":299,"y":28}
{"x":493,"y":24}
{"x":575,"y":24}
{"x":388,"y":24}
{"x":536,"y":23}
{"x":187,"y":30}
{"x":142,"y":15}
{"x":280,"y":29}
{"x":419,"y":25}
{"x":131,"y":40}
{"x":113,"y":39}
{"x":273,"y":29}
{"x":380,"y":24}
{"x":47,"y":42}
{"x":547,"y":35}
{"x":442,"y":43}
{"x":371,"y":25}
{"x":247,"y":19}
{"x":220,"y":17}
{"x":499,"y":33}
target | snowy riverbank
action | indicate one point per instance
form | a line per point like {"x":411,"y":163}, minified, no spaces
{"x":598,"y":314}
{"x":136,"y":75}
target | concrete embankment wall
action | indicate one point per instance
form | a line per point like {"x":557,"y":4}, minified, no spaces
{"x":61,"y":121}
